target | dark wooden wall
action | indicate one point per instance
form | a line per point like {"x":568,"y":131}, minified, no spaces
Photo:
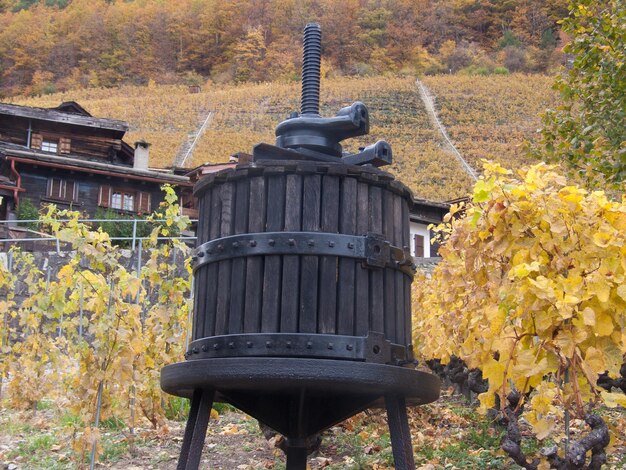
{"x":85,"y":141}
{"x":35,"y":181}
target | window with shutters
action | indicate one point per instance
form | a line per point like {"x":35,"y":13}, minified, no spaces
{"x":143,"y":202}
{"x":124,"y":200}
{"x":52,"y":144}
{"x":434,"y":247}
{"x":104,"y":196}
{"x":62,"y":190}
{"x":419,"y":246}
{"x":116,"y":200}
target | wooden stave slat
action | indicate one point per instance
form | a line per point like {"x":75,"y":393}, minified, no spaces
{"x":238,"y":272}
{"x":227,"y":194}
{"x":389,"y":275}
{"x":346,"y":285}
{"x":406,"y":240}
{"x":362,"y":275}
{"x":327,"y":290}
{"x":309,"y":265}
{"x":254,"y":264}
{"x":272,"y":275}
{"x":398,"y":240}
{"x":376,"y":294}
{"x":290,"y":288}
{"x":212,"y":269}
{"x":200,"y":281}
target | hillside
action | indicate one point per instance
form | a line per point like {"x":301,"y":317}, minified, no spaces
{"x":60,"y":45}
{"x":486,"y":117}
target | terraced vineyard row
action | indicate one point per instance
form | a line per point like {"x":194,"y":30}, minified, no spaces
{"x":491,"y":117}
{"x":487,"y":117}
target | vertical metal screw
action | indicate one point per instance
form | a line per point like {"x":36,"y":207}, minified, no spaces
{"x":311,"y":61}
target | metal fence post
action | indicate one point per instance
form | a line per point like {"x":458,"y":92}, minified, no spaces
{"x":140,"y":249}
{"x":134,"y":233}
{"x":96,"y":425}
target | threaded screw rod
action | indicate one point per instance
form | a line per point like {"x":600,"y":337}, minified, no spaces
{"x":311,"y":61}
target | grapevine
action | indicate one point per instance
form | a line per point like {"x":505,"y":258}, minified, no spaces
{"x":105,"y":362}
{"x":531,"y":292}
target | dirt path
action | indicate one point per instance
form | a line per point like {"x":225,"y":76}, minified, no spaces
{"x":426,"y":97}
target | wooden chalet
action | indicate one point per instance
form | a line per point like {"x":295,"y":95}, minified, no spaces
{"x":66,"y":156}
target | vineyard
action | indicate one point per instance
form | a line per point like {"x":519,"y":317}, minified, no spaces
{"x":528,"y":306}
{"x":524,"y":315}
{"x":523,"y":318}
{"x":487,"y":117}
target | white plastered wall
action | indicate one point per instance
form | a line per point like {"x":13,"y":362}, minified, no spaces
{"x":420,"y":229}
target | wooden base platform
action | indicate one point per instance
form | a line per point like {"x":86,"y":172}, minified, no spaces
{"x":297,"y":397}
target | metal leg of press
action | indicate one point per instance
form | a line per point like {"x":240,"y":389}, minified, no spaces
{"x":195,"y":430}
{"x":296,"y":454}
{"x":400,"y":433}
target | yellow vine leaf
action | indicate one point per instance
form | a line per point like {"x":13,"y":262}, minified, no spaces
{"x":604,"y":324}
{"x":612,"y":399}
{"x":621,"y":291}
{"x":544,"y":465}
{"x":543,"y":427}
{"x":494,"y":371}
{"x":594,"y":358}
{"x":589,"y":316}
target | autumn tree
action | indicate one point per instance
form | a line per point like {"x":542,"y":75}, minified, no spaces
{"x":105,"y":43}
{"x":587,"y":131}
{"x":247,"y":56}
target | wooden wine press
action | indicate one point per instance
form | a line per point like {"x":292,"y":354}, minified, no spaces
{"x":302,"y":313}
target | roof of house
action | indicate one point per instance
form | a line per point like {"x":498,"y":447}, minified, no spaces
{"x":429,"y":212}
{"x":205,"y":169}
{"x":72,"y":107}
{"x":433,"y":204}
{"x":26,"y":155}
{"x":68,"y":112}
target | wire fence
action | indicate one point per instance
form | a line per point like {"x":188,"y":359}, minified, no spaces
{"x":135,"y":239}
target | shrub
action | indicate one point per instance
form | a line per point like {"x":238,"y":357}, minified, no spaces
{"x":475,"y":70}
{"x":26,"y":210}
{"x":121,"y":230}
